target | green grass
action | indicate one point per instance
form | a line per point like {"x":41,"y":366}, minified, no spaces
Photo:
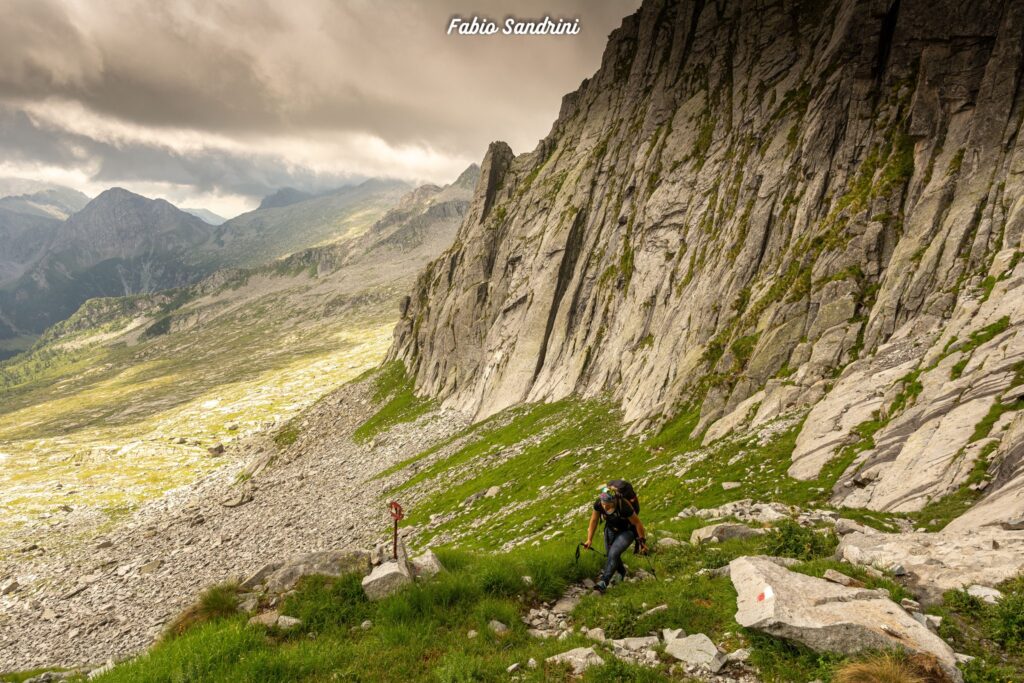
{"x":215,"y":603}
{"x":548,"y":460}
{"x":287,"y":435}
{"x":993,"y":634}
{"x":419,"y":634}
{"x":984,"y":428}
{"x":393,"y":391}
{"x":789,"y":539}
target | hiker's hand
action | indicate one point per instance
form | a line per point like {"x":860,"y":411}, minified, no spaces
{"x":587,"y":544}
{"x":643,"y":547}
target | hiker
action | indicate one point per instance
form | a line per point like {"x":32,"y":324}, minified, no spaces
{"x":622,"y":527}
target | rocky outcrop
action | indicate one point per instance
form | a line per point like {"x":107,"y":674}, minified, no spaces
{"x":936,"y":562}
{"x":278,"y":577}
{"x":757,"y":209}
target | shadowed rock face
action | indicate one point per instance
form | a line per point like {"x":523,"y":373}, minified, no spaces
{"x":757,"y":209}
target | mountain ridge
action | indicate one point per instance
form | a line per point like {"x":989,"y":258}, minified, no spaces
{"x":750,"y":212}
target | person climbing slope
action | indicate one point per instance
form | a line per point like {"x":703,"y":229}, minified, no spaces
{"x":617,"y":506}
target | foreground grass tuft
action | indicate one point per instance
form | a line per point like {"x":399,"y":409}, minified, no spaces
{"x":218,"y":602}
{"x":892,"y":667}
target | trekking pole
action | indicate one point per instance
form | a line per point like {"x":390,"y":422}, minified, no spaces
{"x":650,"y":562}
{"x":591,"y":549}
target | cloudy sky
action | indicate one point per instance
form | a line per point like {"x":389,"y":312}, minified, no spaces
{"x":216,"y":103}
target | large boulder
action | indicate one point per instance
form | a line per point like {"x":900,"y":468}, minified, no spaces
{"x":828,"y":617}
{"x":722,"y":532}
{"x":327,"y":563}
{"x":937,"y":562}
{"x":386,"y":579}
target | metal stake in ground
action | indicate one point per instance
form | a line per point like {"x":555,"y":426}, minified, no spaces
{"x":396,"y":514}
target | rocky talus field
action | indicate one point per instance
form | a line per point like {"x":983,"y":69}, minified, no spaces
{"x":766,"y":266}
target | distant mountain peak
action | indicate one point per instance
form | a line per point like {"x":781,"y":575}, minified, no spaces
{"x":285,"y":196}
{"x":469,"y":177}
{"x":206,"y":215}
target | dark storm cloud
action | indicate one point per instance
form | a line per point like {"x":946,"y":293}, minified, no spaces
{"x":276,"y":75}
{"x":207,"y":170}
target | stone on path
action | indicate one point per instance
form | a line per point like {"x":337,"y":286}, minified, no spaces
{"x":497,"y":627}
{"x":565,"y":605}
{"x":848,"y":526}
{"x":828,"y":617}
{"x":672,"y":633}
{"x":579,"y":659}
{"x":842,"y":579}
{"x":654,"y":610}
{"x":151,"y":567}
{"x":696,"y":650}
{"x":635,"y":644}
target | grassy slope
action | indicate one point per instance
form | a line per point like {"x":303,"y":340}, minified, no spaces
{"x":559,"y":452}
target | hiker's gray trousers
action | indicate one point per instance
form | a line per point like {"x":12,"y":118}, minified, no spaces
{"x":615,"y":543}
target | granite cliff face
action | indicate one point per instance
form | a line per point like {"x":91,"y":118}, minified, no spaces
{"x":754,"y":209}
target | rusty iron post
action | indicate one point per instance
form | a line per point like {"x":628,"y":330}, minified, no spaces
{"x":396,"y":514}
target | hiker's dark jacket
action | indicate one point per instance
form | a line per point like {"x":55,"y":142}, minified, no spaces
{"x":617,"y":519}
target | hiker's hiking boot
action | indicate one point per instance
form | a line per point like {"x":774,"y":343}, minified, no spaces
{"x":601,"y":586}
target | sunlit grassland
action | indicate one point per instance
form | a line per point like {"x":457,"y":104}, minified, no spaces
{"x":106,"y":422}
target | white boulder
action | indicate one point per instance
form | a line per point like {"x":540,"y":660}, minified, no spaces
{"x":828,"y":617}
{"x":386,"y":579}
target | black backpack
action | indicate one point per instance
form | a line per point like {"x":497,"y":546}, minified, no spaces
{"x":625,"y":491}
